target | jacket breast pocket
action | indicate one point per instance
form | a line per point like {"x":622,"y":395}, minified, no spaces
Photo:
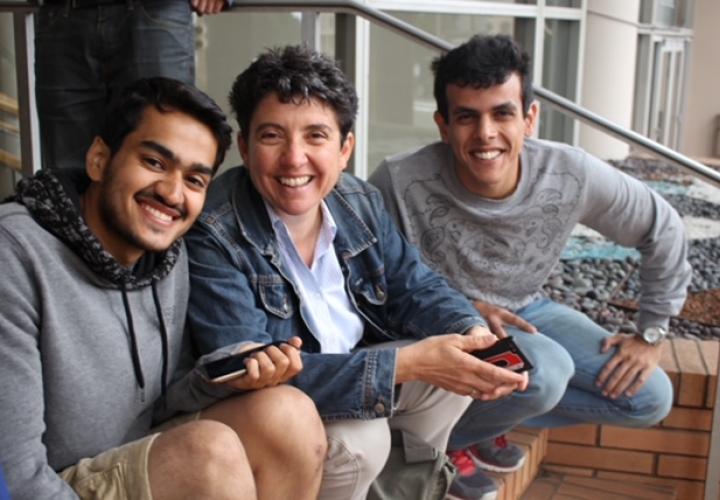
{"x":275,"y":296}
{"x":372,"y":291}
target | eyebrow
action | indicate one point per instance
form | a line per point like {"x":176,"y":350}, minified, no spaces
{"x":169,"y":155}
{"x":505,"y":106}
{"x":312,"y":126}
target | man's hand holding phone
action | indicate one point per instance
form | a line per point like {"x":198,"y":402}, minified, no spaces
{"x":258,"y":366}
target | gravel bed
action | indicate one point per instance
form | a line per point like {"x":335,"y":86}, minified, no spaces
{"x":590,"y":285}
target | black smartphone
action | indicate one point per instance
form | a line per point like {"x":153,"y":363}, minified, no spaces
{"x":230,"y":367}
{"x":505,"y":354}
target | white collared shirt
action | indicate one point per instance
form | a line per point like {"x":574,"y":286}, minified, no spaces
{"x":325,"y":304}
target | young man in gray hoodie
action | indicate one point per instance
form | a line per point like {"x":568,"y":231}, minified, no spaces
{"x":94,"y":352}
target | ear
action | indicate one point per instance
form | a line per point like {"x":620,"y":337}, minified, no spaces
{"x":242,"y":147}
{"x":97,"y":159}
{"x":531,"y":118}
{"x":347,"y":149}
{"x":442,"y":126}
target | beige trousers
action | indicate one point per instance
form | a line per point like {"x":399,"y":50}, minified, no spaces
{"x":358,"y":449}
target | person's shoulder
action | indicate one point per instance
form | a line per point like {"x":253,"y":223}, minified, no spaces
{"x":15,"y":219}
{"x":432,"y":155}
{"x":546,"y":148}
{"x":24,"y":238}
{"x":557,"y":158}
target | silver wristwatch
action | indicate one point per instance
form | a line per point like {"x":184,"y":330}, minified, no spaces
{"x":653,"y":335}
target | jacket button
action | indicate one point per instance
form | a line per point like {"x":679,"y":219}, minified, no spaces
{"x":380,"y":409}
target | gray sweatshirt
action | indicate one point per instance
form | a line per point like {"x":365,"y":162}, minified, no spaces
{"x":68,"y":385}
{"x":502,"y":251}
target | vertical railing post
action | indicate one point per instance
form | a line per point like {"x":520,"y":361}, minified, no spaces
{"x":23,"y":23}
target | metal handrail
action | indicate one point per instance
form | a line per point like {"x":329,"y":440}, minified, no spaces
{"x":558,"y":102}
{"x":407,"y":30}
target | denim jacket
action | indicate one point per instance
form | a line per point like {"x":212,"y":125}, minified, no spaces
{"x":242,"y":291}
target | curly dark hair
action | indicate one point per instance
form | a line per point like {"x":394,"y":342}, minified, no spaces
{"x":482,"y":62}
{"x":296,"y":73}
{"x":165,"y":94}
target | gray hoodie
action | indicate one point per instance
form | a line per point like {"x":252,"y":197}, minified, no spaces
{"x":87,"y":346}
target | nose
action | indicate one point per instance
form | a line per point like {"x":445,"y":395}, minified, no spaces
{"x":486,"y":128}
{"x":294,"y":154}
{"x":170,"y":188}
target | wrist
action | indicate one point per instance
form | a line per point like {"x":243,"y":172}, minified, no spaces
{"x":404,"y":365}
{"x":653,"y":335}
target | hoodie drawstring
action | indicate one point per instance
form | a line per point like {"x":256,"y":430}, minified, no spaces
{"x":164,"y":337}
{"x":133,"y":342}
{"x":137,"y":368}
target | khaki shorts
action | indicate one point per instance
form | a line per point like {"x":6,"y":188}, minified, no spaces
{"x":119,"y":473}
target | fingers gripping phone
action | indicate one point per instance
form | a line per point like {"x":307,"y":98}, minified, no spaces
{"x":233,"y":366}
{"x":505,"y":354}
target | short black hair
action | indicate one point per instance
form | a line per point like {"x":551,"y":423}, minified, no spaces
{"x":297,"y":74}
{"x":482,"y":62}
{"x":165,"y":94}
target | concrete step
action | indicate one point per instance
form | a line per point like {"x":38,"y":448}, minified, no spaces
{"x":555,"y":486}
{"x":512,"y":485}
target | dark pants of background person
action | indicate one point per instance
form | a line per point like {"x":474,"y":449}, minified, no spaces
{"x":85,"y":50}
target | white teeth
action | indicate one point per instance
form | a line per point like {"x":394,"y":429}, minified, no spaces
{"x":295,"y":181}
{"x":487,"y":155}
{"x":158,"y":214}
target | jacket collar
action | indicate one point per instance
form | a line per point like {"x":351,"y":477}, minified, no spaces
{"x":353,"y":235}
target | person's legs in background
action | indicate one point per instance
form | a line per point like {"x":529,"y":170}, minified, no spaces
{"x":69,"y":87}
{"x":84,"y":55}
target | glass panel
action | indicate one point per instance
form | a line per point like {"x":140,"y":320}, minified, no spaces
{"x":667,"y":12}
{"x":327,"y":34}
{"x":643,"y":85}
{"x":229,"y":43}
{"x":401,"y":103}
{"x":560,"y":67}
{"x":646,"y":11}
{"x":9,"y":123}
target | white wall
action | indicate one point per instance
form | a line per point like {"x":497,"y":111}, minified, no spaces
{"x":609,"y":71}
{"x":703,"y":85}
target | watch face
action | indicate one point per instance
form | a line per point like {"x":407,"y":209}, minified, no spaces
{"x":654,"y":334}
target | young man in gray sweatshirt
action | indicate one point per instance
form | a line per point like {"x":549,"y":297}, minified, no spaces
{"x":94,"y":352}
{"x":492,"y":209}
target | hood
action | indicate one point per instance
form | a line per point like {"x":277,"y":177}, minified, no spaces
{"x":53,"y":200}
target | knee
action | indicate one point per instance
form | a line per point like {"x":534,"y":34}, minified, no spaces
{"x":654,"y":401}
{"x":357,"y":455}
{"x":213,"y":449}
{"x":291,"y":424}
{"x":553,"y":369}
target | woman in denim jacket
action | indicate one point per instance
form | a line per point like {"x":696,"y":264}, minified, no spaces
{"x":288,"y":246}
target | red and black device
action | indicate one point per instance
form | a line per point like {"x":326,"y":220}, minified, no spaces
{"x":505,"y":354}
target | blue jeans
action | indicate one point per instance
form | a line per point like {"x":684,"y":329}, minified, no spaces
{"x":562,"y":391}
{"x":84,"y":56}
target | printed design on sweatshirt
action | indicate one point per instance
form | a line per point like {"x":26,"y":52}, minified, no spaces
{"x":482,"y":255}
